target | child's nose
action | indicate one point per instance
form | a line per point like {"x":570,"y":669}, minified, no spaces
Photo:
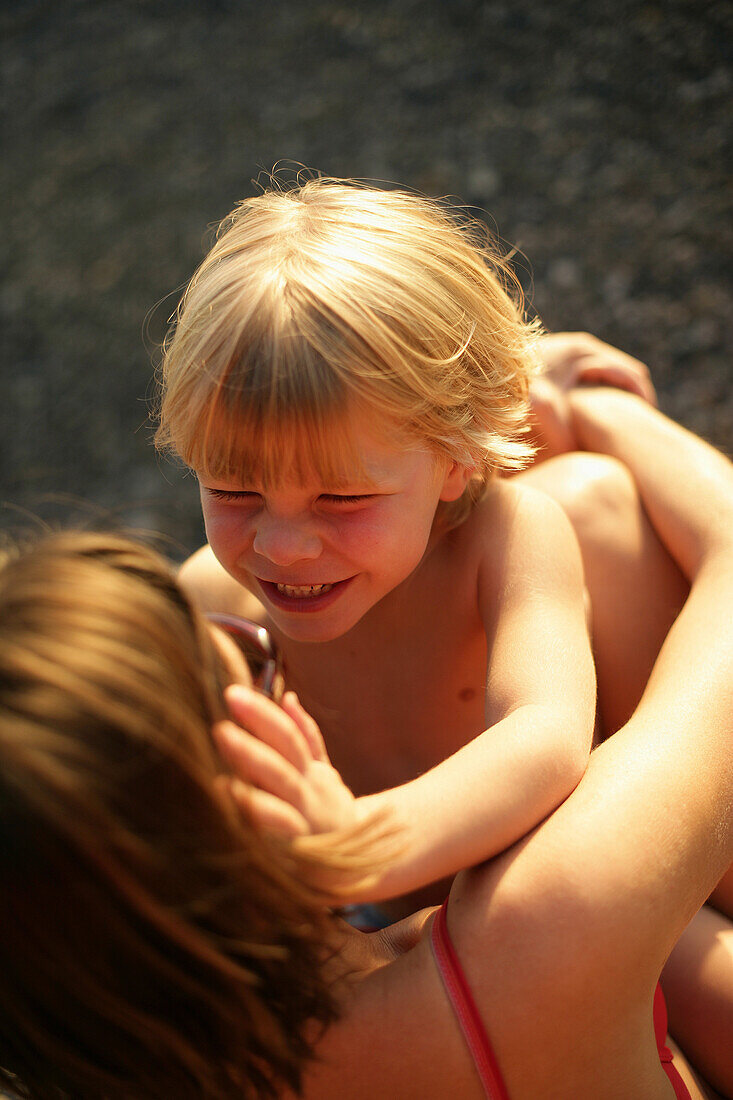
{"x":284,"y":543}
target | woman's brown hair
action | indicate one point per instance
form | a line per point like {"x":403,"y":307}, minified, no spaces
{"x":154,"y":945}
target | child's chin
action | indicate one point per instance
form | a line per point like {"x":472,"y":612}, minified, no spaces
{"x":315,"y":637}
{"x":307,"y":629}
{"x":316,"y":628}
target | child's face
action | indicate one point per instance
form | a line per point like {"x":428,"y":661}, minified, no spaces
{"x":318,"y":557}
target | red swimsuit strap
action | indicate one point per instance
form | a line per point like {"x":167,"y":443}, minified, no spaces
{"x":473,"y":1029}
{"x":465,"y":1008}
{"x":665,"y":1054}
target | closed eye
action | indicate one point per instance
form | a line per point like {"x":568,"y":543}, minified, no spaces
{"x":230,"y":494}
{"x":339,"y":498}
{"x":234,"y":495}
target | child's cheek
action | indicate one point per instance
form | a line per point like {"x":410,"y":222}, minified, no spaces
{"x":362,"y":533}
{"x":378,"y":535}
{"x":226,"y":532}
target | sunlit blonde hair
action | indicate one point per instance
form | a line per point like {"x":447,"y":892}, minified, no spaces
{"x":331,"y":293}
{"x":154,"y":944}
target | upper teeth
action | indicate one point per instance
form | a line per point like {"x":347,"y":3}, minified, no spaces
{"x":303,"y":589}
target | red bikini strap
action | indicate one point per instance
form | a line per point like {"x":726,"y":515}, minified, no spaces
{"x":465,"y":1009}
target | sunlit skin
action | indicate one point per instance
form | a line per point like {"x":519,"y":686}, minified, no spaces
{"x":424,"y":636}
{"x":364,"y":537}
{"x":511,"y":920}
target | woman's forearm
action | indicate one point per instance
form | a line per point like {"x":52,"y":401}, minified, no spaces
{"x":650,"y":828}
{"x":685,"y":484}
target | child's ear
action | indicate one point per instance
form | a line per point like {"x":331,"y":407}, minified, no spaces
{"x":457,"y":477}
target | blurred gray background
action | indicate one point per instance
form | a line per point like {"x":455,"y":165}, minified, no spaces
{"x":594,"y":135}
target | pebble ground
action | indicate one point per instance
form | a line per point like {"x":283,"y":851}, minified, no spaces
{"x":594,"y":136}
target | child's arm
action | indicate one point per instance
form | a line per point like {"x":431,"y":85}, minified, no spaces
{"x":541,"y":690}
{"x":539,"y":715}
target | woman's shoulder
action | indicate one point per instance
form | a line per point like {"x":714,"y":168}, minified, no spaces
{"x":395,"y":1017}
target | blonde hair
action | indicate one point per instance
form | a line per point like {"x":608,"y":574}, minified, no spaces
{"x":154,"y":944}
{"x":332,"y":292}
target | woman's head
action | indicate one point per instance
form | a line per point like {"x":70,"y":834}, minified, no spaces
{"x":154,"y":944}
{"x":332,"y":293}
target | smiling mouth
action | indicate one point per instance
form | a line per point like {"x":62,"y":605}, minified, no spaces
{"x":303,"y":591}
{"x":303,"y":597}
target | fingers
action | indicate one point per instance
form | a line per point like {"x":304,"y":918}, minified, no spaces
{"x":647,"y":388}
{"x":577,"y":358}
{"x":632,"y":377}
{"x":263,"y":809}
{"x":307,"y":725}
{"x":550,"y":421}
{"x":273,"y":725}
{"x":256,"y":763}
{"x":602,"y":363}
{"x":279,"y":761}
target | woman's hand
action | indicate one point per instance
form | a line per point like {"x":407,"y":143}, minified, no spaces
{"x":577,"y":359}
{"x":282,"y":777}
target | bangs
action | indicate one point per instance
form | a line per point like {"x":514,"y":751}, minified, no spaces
{"x":235,"y":442}
{"x":274,"y":405}
{"x":327,"y":297}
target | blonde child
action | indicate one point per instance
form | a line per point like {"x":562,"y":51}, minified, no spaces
{"x":348,"y":377}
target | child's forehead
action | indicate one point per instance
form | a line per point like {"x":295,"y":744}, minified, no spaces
{"x":356,"y":447}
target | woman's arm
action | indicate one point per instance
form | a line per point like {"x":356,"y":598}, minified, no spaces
{"x":687,"y":490}
{"x":579,"y":918}
{"x":576,"y":921}
{"x":685,"y":484}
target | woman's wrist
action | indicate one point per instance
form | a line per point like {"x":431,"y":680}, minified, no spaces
{"x":595,"y":412}
{"x":667,"y":463}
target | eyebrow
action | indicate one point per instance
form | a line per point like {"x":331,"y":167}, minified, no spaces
{"x":361,"y":485}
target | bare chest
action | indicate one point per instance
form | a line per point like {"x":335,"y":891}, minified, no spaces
{"x":395,"y":699}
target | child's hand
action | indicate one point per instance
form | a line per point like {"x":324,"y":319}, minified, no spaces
{"x":282,"y":777}
{"x":578,"y":359}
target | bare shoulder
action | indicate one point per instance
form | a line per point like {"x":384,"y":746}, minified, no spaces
{"x":393,"y":1004}
{"x":204,"y":581}
{"x":514,"y":524}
